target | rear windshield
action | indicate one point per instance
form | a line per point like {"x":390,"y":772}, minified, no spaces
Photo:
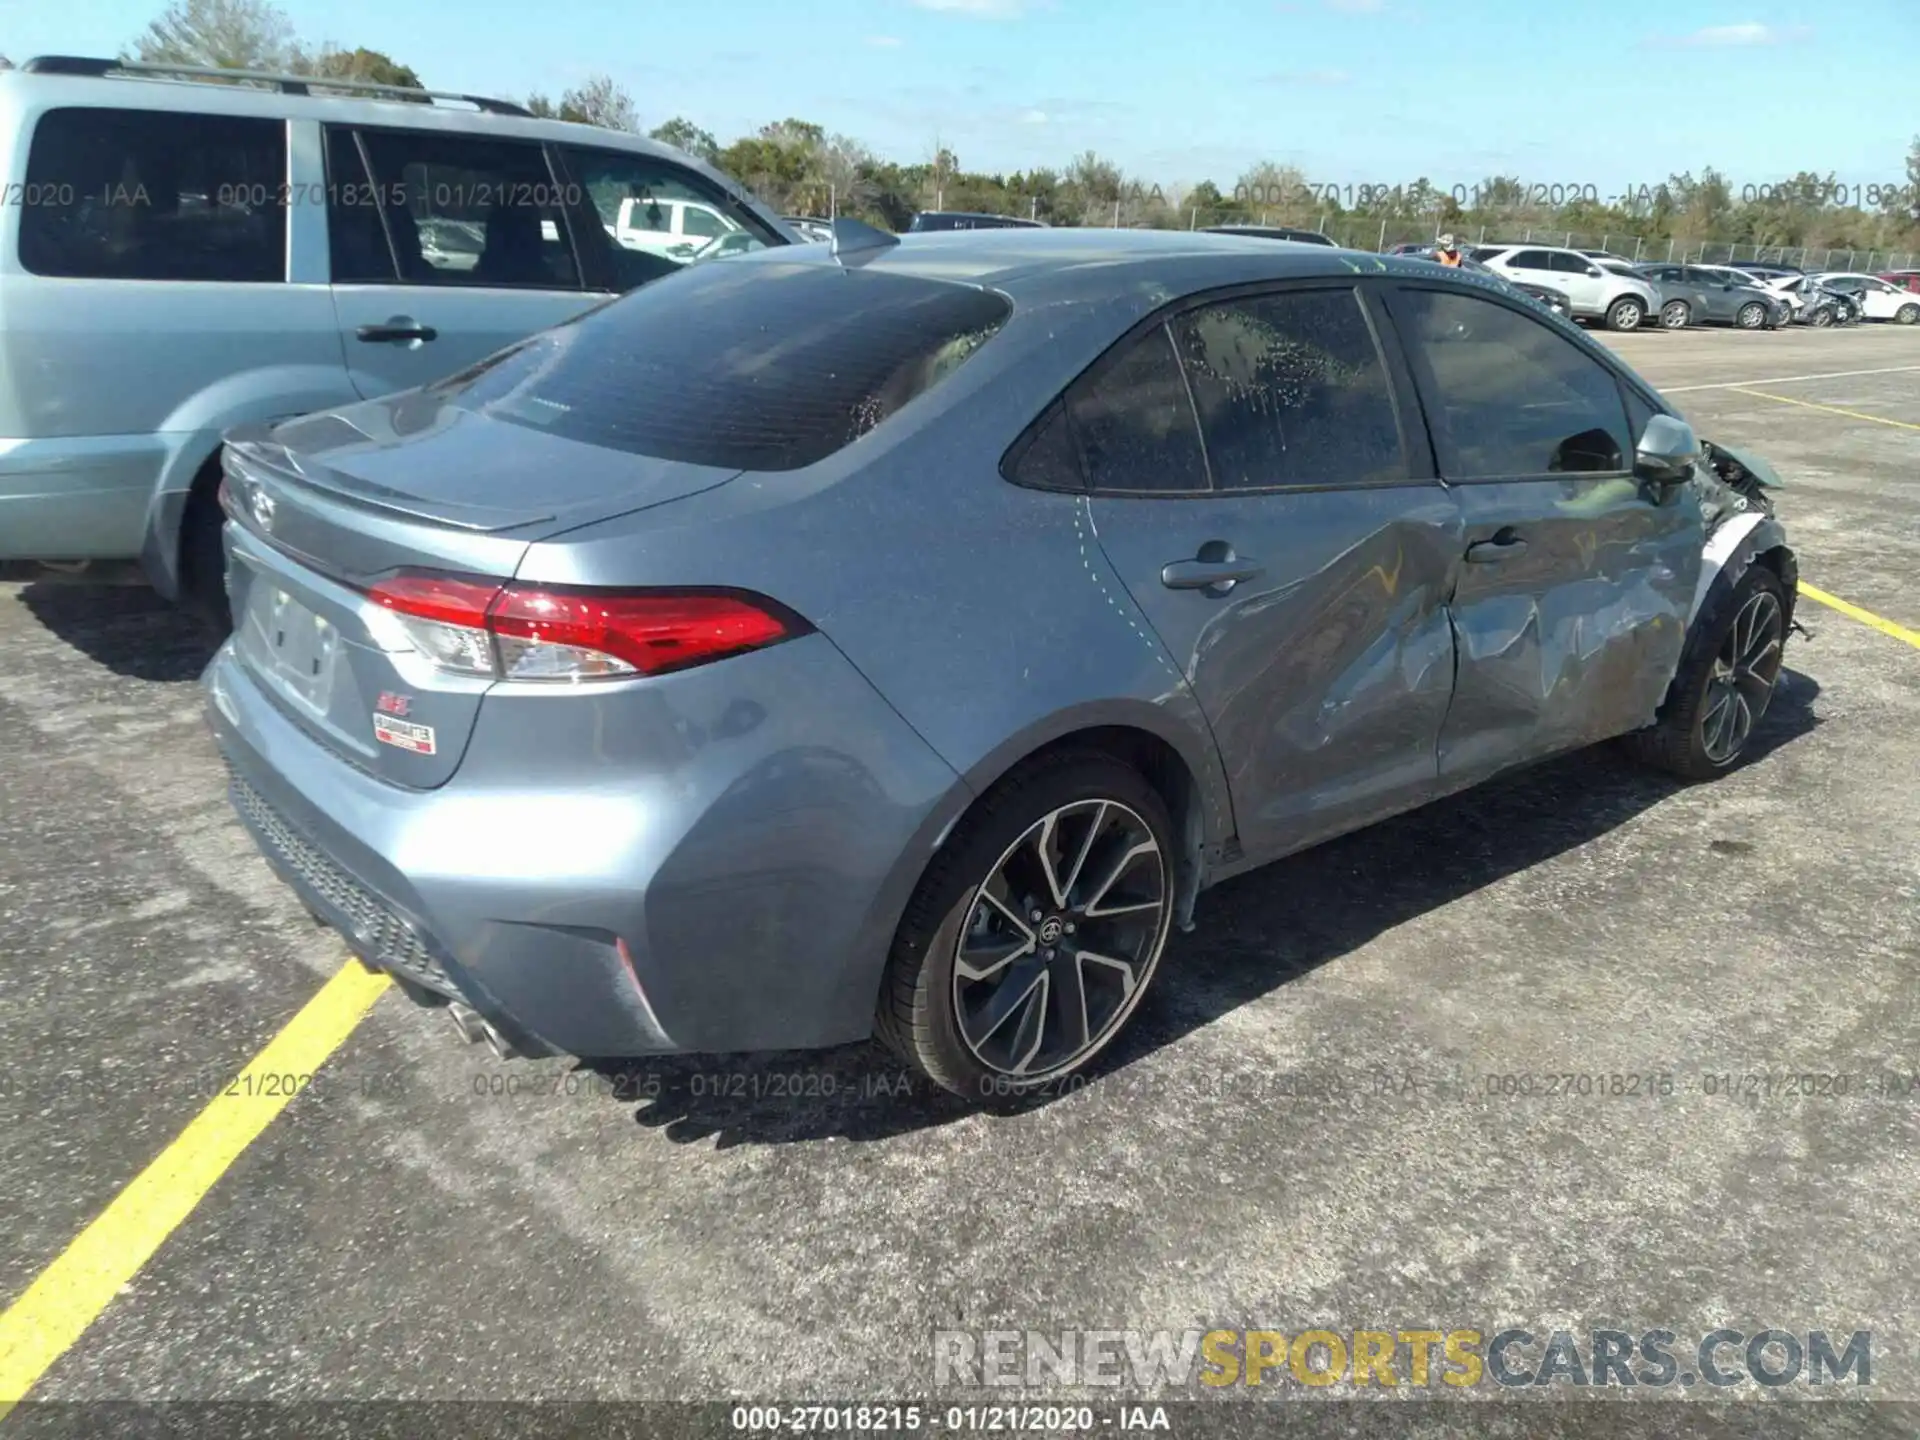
{"x":744,"y":364}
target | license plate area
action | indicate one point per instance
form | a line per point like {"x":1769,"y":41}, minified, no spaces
{"x":296,"y":647}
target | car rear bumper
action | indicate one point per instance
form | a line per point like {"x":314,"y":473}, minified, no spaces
{"x":735,"y":889}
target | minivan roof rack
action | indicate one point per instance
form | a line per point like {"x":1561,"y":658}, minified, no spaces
{"x":286,"y":84}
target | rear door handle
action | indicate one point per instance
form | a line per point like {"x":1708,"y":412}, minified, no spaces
{"x":1503,"y":546}
{"x":400,"y":327}
{"x":1214,"y":571}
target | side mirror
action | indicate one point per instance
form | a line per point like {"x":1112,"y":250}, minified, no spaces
{"x":1666,"y":452}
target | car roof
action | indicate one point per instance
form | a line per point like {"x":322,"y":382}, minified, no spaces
{"x":1037,"y":267}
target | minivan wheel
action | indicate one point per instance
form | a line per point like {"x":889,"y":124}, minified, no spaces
{"x":1036,"y":930}
{"x":1724,"y":686}
{"x":203,"y":562}
{"x":1751,"y":316}
{"x":1626,"y":313}
{"x":1673,"y":315}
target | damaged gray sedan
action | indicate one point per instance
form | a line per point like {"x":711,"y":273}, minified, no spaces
{"x":898,"y":636}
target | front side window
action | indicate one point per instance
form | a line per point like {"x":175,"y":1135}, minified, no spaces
{"x":635,"y":197}
{"x":458,"y":210}
{"x":1508,"y":396}
{"x":1291,"y":390}
{"x":155,"y":195}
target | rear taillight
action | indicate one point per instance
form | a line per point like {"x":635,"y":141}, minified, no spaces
{"x":529,"y":632}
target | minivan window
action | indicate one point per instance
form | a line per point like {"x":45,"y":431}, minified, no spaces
{"x":1507,"y":395}
{"x":155,"y":195}
{"x":460,"y":210}
{"x":756,"y":365}
{"x":634,"y":197}
{"x":1291,"y":390}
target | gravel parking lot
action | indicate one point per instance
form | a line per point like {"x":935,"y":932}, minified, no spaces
{"x":1321,"y":1118}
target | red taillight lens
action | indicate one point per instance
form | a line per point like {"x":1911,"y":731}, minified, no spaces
{"x":526,"y":632}
{"x":652,"y":632}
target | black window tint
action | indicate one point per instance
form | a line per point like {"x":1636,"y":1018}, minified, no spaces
{"x":751,"y":366}
{"x":1530,"y":260}
{"x":1509,"y":395}
{"x":1135,"y":422}
{"x":151,"y":195}
{"x":1291,"y":390}
{"x":1639,"y":412}
{"x":462,"y":211}
{"x":1567,"y":264}
{"x":1051,"y":459}
{"x":356,"y":240}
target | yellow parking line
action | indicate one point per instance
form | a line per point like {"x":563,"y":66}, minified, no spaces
{"x":1830,"y":409}
{"x":70,"y":1293}
{"x":1865,"y":617}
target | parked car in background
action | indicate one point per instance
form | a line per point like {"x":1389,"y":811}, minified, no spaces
{"x":1622,"y":302}
{"x":1698,"y":295}
{"x":968,"y":220}
{"x":1813,"y":304}
{"x":425,"y":231}
{"x":1545,"y":295}
{"x":1608,"y":255}
{"x":616,"y":767}
{"x":1272,"y":232}
{"x":1766,"y":269}
{"x":1878,"y":299}
{"x":1906,"y":279}
{"x":677,"y":228}
{"x":810,"y":227}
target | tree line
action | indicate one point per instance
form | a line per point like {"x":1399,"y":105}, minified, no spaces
{"x":800,"y":168}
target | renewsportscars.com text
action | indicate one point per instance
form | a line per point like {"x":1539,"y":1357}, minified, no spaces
{"x":1411,"y":1358}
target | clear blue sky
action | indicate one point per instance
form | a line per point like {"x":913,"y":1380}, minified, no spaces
{"x":1611,"y":94}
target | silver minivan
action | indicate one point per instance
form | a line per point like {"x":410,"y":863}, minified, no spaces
{"x":181,"y":253}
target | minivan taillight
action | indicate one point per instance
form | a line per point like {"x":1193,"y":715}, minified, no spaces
{"x":532,"y":632}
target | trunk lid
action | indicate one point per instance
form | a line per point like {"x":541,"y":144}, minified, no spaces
{"x":324,"y":506}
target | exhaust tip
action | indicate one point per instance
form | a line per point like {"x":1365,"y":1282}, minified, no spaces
{"x":475,"y":1029}
{"x":468,"y":1022}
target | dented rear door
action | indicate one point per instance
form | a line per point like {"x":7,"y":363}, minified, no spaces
{"x":1575,"y":579}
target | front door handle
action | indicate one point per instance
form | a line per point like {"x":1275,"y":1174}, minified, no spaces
{"x":1505,"y":545}
{"x":400,"y":327}
{"x":1214,"y":571}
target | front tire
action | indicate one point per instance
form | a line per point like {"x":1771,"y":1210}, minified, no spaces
{"x":1673,"y":315}
{"x":1036,"y":930}
{"x":1751,"y":316}
{"x":1726,"y":682}
{"x":1626,"y":313}
{"x":1907,"y":315}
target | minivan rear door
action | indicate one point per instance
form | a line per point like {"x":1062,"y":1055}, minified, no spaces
{"x":444,"y":249}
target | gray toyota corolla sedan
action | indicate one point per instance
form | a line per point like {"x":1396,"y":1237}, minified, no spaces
{"x":898,"y":636}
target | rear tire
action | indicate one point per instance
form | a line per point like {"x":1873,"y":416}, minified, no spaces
{"x":1726,"y":681}
{"x":1036,"y":930}
{"x":1626,"y":313}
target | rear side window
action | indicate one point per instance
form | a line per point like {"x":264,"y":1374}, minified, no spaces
{"x":1530,"y":260}
{"x":1135,"y":423}
{"x":748,"y":366}
{"x":1291,"y":390}
{"x":459,"y":210}
{"x":155,"y":195}
{"x":1509,"y":396}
